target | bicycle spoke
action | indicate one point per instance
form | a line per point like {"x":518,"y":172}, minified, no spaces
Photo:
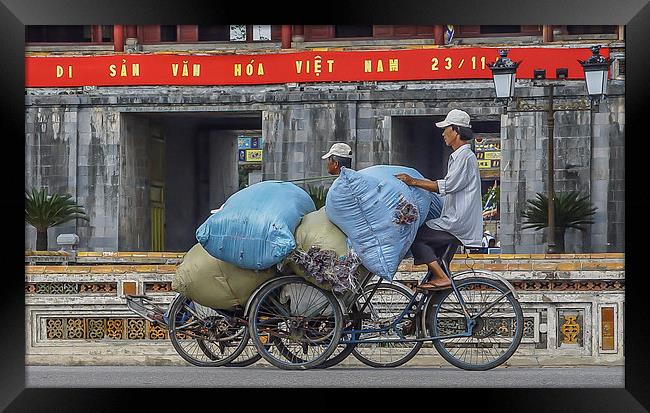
{"x":300,"y":320}
{"x":204,"y":336}
{"x":493,"y":336}
{"x":384,"y":306}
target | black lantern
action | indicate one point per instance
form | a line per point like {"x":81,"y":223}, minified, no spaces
{"x":596,"y":70}
{"x":504,"y":73}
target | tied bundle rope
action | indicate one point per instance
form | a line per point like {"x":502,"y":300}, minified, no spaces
{"x":326,"y":266}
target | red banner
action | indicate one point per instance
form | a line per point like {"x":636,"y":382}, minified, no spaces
{"x":311,"y":66}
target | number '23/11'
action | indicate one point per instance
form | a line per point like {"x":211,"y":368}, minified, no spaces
{"x":448,"y":63}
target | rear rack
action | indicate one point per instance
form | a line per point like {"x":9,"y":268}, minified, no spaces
{"x":147,"y":309}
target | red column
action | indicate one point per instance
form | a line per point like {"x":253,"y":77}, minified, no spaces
{"x":96,"y":33}
{"x":547,"y":33}
{"x":132,"y":31}
{"x":118,"y":38}
{"x":286,"y":36}
{"x":439,"y":34}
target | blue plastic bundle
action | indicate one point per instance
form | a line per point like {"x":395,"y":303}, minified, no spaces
{"x":387,"y":173}
{"x":254,"y":228}
{"x":376,"y":216}
{"x":435,"y":210}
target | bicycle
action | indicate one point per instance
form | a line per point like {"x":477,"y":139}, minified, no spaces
{"x":201,"y":335}
{"x":464,"y":322}
{"x":208,"y":337}
{"x":475,"y":325}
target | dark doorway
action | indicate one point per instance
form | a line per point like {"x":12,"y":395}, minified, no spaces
{"x":202,"y":169}
{"x":352,"y":31}
{"x":220,"y":33}
{"x":51,"y":34}
{"x":493,"y":29}
{"x":185,"y":165}
{"x":417,"y":143}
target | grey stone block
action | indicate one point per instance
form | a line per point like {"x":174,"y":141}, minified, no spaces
{"x":365,"y":135}
{"x":363,"y":156}
{"x":601,"y":118}
{"x":361,"y":164}
{"x":104,"y":242}
{"x":601,"y":152}
{"x":365,"y":112}
{"x":366,"y":123}
{"x":298,"y":157}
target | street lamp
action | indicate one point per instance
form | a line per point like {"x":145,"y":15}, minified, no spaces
{"x":596,"y":69}
{"x":504,"y":73}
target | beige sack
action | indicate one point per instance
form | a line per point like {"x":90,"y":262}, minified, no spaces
{"x":316,"y":230}
{"x":215,"y":283}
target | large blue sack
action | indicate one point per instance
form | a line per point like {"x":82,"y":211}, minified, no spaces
{"x":387,"y":173}
{"x":430,"y":202}
{"x":435,"y":210}
{"x":367,"y":209}
{"x":254,"y":228}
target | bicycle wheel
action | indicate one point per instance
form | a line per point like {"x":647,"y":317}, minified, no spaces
{"x":247,"y":357}
{"x":384,"y":306}
{"x":302,"y":321}
{"x":204,"y":336}
{"x":496,"y":333}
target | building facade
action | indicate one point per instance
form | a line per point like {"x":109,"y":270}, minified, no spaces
{"x":149,"y":161}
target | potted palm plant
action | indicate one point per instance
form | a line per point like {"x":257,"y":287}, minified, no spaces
{"x":571,"y":211}
{"x":43,"y":211}
{"x":318,"y":194}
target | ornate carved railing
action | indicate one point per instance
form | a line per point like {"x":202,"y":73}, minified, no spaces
{"x":76,"y":313}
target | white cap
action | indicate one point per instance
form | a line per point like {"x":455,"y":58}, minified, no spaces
{"x":339,"y":149}
{"x":455,"y":117}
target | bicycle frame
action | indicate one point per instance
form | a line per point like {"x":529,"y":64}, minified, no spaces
{"x":421,"y":300}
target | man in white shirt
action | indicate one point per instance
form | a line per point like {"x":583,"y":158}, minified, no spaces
{"x":461,"y":219}
{"x":488,"y":240}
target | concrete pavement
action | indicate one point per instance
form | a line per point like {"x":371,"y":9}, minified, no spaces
{"x":357,"y":377}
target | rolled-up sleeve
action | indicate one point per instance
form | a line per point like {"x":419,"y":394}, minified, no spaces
{"x":442,"y":186}
{"x":458,"y":177}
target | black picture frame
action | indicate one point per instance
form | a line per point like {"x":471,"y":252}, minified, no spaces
{"x":15,"y":14}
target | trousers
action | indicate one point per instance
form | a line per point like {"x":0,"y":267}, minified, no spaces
{"x":430,"y":245}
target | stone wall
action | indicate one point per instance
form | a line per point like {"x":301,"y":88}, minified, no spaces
{"x":51,"y":158}
{"x":299,"y":124}
{"x":77,"y":315}
{"x":134,"y":217}
{"x":610,"y":132}
{"x":223,"y":176}
{"x":588,"y":158}
{"x":99,"y":175}
{"x":297,"y":135}
{"x":363,"y":118}
{"x":74,"y":150}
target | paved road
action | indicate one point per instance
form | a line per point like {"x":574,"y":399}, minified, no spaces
{"x":262,"y":376}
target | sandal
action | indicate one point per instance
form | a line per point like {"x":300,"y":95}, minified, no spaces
{"x":432,"y":286}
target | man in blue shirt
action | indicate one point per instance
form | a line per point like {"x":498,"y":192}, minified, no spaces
{"x":339,"y":155}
